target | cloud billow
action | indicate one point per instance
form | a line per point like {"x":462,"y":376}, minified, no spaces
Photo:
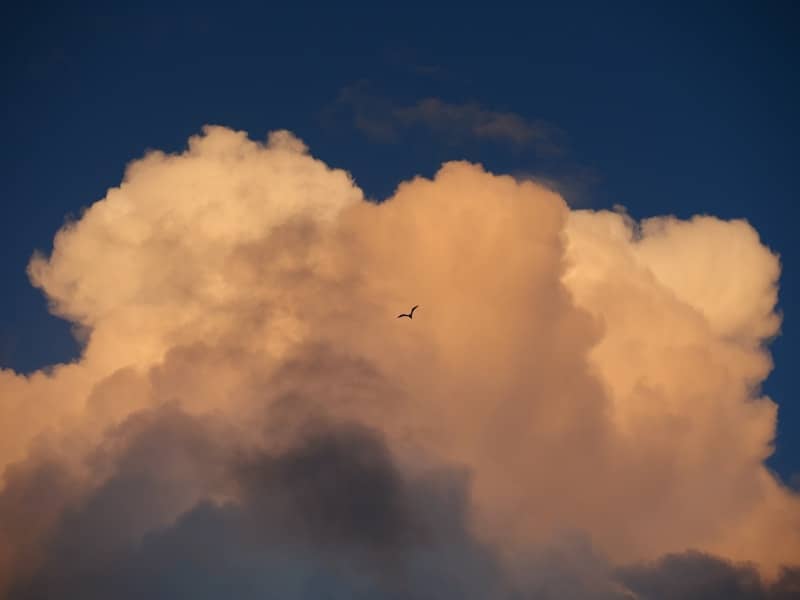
{"x":574,"y":410}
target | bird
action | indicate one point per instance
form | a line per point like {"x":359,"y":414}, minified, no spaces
{"x":409,"y":314}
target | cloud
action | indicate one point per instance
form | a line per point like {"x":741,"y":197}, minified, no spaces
{"x":290,"y":523}
{"x":471,"y":119}
{"x":697,"y":576}
{"x":313,"y":483}
{"x":576,"y":399}
{"x":382,"y":120}
{"x":575,"y":184}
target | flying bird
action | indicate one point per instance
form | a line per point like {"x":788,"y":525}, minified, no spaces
{"x":409,"y":314}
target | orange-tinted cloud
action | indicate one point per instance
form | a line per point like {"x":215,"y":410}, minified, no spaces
{"x":573,"y":372}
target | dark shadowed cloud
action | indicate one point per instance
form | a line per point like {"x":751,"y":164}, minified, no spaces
{"x":316,"y":479}
{"x":697,"y":576}
{"x":331,"y":515}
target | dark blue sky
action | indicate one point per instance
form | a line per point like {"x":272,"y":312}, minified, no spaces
{"x":664,"y":109}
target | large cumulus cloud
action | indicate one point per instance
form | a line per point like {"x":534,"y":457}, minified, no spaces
{"x":576,"y":398}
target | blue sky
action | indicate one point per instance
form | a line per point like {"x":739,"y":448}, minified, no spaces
{"x":663,"y":109}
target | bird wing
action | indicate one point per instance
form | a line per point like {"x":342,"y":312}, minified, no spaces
{"x":398,"y":316}
{"x":413,"y":309}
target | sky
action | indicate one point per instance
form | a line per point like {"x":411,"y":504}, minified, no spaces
{"x":591,"y":204}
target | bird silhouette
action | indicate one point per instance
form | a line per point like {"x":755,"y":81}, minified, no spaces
{"x":409,"y":314}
